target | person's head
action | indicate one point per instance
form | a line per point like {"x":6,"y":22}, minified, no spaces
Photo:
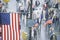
{"x":44,"y":6}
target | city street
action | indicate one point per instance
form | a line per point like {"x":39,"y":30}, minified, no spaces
{"x":30,"y":19}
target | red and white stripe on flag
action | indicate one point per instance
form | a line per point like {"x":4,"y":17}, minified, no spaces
{"x":12,"y":31}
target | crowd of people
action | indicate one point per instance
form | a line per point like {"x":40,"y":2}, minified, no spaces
{"x":41,"y":12}
{"x":48,"y":14}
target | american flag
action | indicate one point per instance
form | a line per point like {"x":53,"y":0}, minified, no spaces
{"x":10,"y":23}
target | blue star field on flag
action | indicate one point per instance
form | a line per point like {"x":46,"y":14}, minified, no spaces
{"x":5,"y":18}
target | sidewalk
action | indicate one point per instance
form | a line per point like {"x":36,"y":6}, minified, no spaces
{"x":43,"y":32}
